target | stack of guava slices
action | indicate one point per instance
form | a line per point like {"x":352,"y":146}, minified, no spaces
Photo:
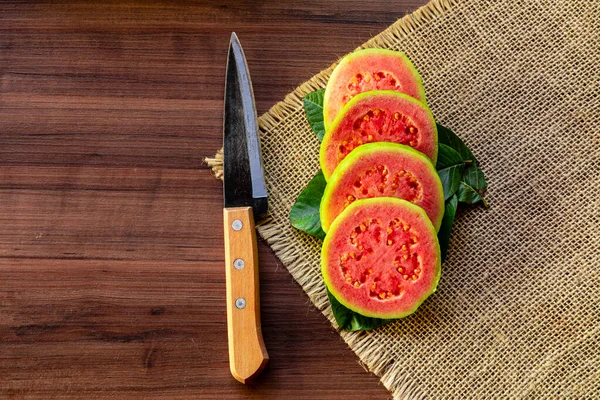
{"x":382,"y":208}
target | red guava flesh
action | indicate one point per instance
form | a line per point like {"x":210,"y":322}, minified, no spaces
{"x":379,"y":116}
{"x":381,"y":257}
{"x":366,"y":70}
{"x":383,"y":170}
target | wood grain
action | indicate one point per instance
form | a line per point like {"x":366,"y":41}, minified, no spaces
{"x":112,"y":280}
{"x":247,"y":353}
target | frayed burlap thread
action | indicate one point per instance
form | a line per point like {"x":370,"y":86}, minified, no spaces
{"x":517,"y":311}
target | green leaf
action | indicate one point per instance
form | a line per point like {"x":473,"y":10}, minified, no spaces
{"x":447,"y":137}
{"x":473,"y":176}
{"x":352,"y":321}
{"x":473,"y":179}
{"x":447,"y":222}
{"x":466,"y":194}
{"x":304,"y":214}
{"x":447,"y":157}
{"x":313,"y":105}
{"x":450,"y":178}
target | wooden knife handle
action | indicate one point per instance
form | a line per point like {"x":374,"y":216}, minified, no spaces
{"x":247,"y":353}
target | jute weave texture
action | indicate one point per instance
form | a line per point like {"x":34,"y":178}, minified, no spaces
{"x":517,"y":311}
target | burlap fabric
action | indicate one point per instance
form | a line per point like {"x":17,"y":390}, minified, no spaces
{"x":517,"y":311}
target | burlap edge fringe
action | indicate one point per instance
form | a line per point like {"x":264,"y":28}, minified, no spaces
{"x":362,"y":343}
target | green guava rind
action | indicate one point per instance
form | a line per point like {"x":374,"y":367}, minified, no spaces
{"x":349,"y":213}
{"x":433,"y":193}
{"x":411,"y":76}
{"x":328,"y":150}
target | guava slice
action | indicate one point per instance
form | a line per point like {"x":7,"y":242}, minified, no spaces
{"x":383,"y":170}
{"x":381,"y":257}
{"x":366,"y":70}
{"x":379,"y":116}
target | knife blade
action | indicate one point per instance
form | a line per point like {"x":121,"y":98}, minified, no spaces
{"x":244,"y":182}
{"x":245,"y":198}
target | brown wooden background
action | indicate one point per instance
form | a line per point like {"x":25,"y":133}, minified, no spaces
{"x":111,"y":259}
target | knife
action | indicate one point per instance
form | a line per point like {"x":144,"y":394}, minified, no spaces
{"x":245,"y":196}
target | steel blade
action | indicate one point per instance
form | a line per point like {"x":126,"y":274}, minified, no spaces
{"x":243,"y":178}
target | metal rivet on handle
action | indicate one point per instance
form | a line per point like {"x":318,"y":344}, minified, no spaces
{"x":240,"y":303}
{"x":237,"y":225}
{"x":239,"y":263}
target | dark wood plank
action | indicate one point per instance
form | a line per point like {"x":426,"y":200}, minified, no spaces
{"x":111,"y":259}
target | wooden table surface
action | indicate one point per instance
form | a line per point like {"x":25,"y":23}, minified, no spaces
{"x":112,"y":280}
